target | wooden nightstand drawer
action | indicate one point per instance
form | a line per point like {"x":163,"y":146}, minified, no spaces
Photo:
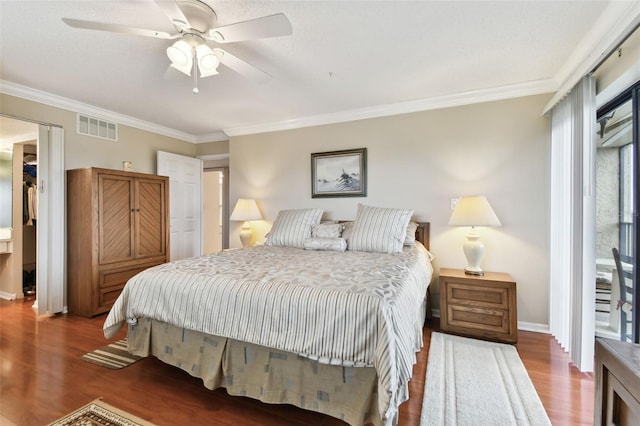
{"x":479,"y":306}
{"x":480,"y":296}
{"x":495,"y":321}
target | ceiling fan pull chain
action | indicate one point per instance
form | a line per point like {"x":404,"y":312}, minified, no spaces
{"x":195,"y":74}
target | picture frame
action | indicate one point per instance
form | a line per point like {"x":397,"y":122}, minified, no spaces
{"x":339,"y":173}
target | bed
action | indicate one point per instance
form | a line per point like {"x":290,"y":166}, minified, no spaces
{"x":299,"y":320}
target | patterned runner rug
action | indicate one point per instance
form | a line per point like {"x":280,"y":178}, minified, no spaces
{"x":99,"y":413}
{"x":473,"y":382}
{"x":114,"y":356}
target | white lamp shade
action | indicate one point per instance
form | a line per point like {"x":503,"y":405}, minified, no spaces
{"x":245,"y":210}
{"x":181,"y":56}
{"x":207,"y":61}
{"x":474,"y":211}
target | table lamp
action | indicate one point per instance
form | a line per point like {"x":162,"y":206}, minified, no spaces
{"x":473,"y":211}
{"x":245,"y":210}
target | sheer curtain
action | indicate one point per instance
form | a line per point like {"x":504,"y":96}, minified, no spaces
{"x":572,"y":251}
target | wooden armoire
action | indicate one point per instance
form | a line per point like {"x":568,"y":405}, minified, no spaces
{"x":117,"y":226}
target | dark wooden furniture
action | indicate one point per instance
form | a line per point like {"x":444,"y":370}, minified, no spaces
{"x":483,"y":307}
{"x":117,"y":226}
{"x":617,"y":395}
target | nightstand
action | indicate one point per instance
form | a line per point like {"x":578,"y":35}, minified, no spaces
{"x":483,"y":307}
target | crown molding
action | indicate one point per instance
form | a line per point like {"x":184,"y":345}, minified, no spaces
{"x":213,"y":157}
{"x":616,"y":23}
{"x":218,"y":136}
{"x":42,"y":97}
{"x":459,"y":99}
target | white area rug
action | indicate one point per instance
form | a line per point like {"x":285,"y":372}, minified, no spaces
{"x":473,"y":382}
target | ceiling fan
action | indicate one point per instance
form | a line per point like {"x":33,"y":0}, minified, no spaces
{"x":195,"y":24}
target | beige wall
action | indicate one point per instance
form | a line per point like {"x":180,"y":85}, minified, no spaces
{"x":421,"y":160}
{"x":212,"y":148}
{"x":135,"y":145}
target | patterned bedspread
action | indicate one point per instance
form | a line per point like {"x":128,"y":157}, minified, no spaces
{"x":345,"y":308}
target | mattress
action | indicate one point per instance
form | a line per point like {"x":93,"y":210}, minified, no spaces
{"x":352,"y":309}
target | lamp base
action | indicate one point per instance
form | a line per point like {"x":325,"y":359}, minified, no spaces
{"x":245,"y":235}
{"x":473,"y":251}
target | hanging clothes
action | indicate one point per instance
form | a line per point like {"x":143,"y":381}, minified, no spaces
{"x":30,"y":169}
{"x":25,"y":202}
{"x":32,"y":196}
{"x":29,"y":203}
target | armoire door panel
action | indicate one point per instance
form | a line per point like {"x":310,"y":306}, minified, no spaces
{"x":150,"y":218}
{"x":116,"y":224}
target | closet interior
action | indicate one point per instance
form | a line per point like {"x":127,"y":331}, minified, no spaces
{"x":29,"y":218}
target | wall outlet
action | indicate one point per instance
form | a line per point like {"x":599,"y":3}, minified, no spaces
{"x":454,"y":202}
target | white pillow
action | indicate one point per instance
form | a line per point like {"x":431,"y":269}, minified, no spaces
{"x":347,"y":230}
{"x":326,"y":230}
{"x":410,"y":239}
{"x":291,"y":227}
{"x":379,"y":229}
{"x":321,"y":243}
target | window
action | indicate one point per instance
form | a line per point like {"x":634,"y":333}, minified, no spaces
{"x":617,"y":207}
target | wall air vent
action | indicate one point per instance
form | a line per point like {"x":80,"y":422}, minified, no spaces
{"x":98,"y":128}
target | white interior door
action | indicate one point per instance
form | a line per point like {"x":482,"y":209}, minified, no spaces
{"x":50,"y":257}
{"x":185,"y":205}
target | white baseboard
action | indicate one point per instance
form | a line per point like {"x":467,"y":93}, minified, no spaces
{"x":532,"y":326}
{"x":8,"y":296}
{"x":522,"y":325}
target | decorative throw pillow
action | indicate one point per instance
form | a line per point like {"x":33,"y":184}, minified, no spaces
{"x":347,"y":230}
{"x":379,"y":229}
{"x":410,"y":239}
{"x":326,"y":230}
{"x":332,"y":244}
{"x":291,"y":227}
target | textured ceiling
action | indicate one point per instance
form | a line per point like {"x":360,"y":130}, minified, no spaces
{"x":342,"y":56}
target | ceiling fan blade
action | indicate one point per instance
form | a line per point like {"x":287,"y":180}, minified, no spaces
{"x":241,"y":67}
{"x":269,"y":26}
{"x":173,"y":12}
{"x":100,"y":26}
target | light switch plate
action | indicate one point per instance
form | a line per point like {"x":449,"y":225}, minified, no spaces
{"x":454,"y":202}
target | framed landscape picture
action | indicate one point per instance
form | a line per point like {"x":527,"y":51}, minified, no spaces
{"x":339,"y":173}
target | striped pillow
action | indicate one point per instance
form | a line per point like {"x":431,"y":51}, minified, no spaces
{"x":291,"y":227}
{"x":325,"y":243}
{"x":380,"y":230}
{"x":327,"y":230}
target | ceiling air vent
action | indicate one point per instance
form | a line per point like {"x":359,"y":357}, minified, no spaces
{"x":91,"y":126}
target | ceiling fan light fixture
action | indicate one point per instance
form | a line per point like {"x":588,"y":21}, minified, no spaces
{"x":180,"y":55}
{"x":180,"y":24}
{"x":207,"y":61}
{"x":216,"y":36}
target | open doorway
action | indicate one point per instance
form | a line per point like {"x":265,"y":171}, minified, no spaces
{"x":50,"y":219}
{"x":214,"y":207}
{"x":616,"y":217}
{"x":18,"y":203}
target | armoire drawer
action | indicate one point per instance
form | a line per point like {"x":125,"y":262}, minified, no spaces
{"x":108,"y":296}
{"x":119,"y":276}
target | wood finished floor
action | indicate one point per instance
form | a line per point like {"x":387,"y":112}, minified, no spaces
{"x":42,"y":378}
